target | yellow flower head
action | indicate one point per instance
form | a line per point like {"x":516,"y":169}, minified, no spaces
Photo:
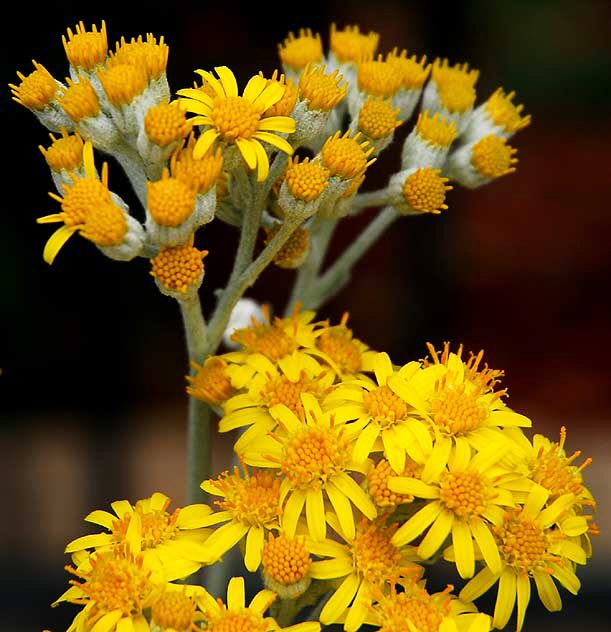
{"x":148,"y":55}
{"x":435,"y":130}
{"x":239,"y":120}
{"x":65,"y":153}
{"x":503,"y":112}
{"x":413,"y":72}
{"x":492,"y":157}
{"x":306,"y":180}
{"x":166,"y":123}
{"x":122,"y":83}
{"x":455,"y":85}
{"x":170,"y":201}
{"x":379,"y":78}
{"x":295,"y":250}
{"x":175,"y":610}
{"x":210,"y":384}
{"x":201,"y":173}
{"x":286,"y":565}
{"x":378,"y":118}
{"x":350,"y":45}
{"x":80,"y":101}
{"x":298,"y":52}
{"x":285,"y":106}
{"x":36,"y":90}
{"x":425,"y":190}
{"x":345,"y":156}
{"x":377,"y":483}
{"x":85,"y":49}
{"x":322,"y":91}
{"x":179,"y":268}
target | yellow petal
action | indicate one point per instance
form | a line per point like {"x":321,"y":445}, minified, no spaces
{"x":359,"y":609}
{"x":567,"y":578}
{"x":140,"y":624}
{"x":103,"y":518}
{"x":255,"y":540}
{"x":292,"y":512}
{"x":262,"y":601}
{"x":194,"y":93}
{"x":506,"y":598}
{"x":282,"y":124}
{"x":349,"y":487}
{"x":215,"y":84}
{"x":88,"y":161}
{"x":272,"y":93}
{"x":276,"y":141}
{"x":89,"y":542}
{"x":107,"y":622}
{"x":523,"y":592}
{"x":51,"y":219}
{"x":487,"y":545}
{"x":262,"y":161}
{"x":204,"y":143}
{"x":393,"y":450}
{"x":343,"y":510}
{"x":436,"y":535}
{"x":331,"y":569}
{"x":548,"y":593}
{"x":364,"y":444}
{"x":225,"y":538}
{"x":437,"y":459}
{"x":480,"y":584}
{"x":315,"y":514}
{"x":382,"y":367}
{"x":463,"y":549}
{"x":196,"y":107}
{"x":228,"y":80}
{"x":248,"y":152}
{"x":340,"y":600}
{"x":412,"y":486}
{"x":253,"y":88}
{"x":236,"y":594}
{"x":286,"y":418}
{"x":193,"y":516}
{"x":56,"y":241}
{"x":125,"y":625}
{"x":410,"y":530}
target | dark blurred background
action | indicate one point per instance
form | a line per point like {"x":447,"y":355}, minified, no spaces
{"x":92,"y":391}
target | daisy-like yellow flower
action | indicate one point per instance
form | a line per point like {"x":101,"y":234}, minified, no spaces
{"x":172,"y":540}
{"x":458,"y":400}
{"x":314,"y":458}
{"x":238,"y":120}
{"x":235,"y":616}
{"x":382,"y":413}
{"x":365,"y":562}
{"x":176,"y":608}
{"x":272,"y":384}
{"x":286,"y":564}
{"x":466,"y":499}
{"x":534,"y":541}
{"x":250,"y":506}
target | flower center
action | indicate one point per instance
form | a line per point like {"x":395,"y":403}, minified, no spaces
{"x":339,"y":345}
{"x":306,"y":180}
{"x":425,"y":190}
{"x":65,"y":153}
{"x":457,"y":411}
{"x":379,"y":78}
{"x":198,"y":174}
{"x":378,"y":119}
{"x":377,"y":484}
{"x":179,"y":267}
{"x":105,"y":225}
{"x":345,"y":156}
{"x":231,"y":621}
{"x":123,"y":82}
{"x":314,"y":455}
{"x":522,"y":543}
{"x":158,"y":526}
{"x":36,"y":89}
{"x":413,"y":72}
{"x":504,"y":113}
{"x":80,"y":100}
{"x":322,"y":91}
{"x":384,"y":406}
{"x":349,"y":45}
{"x":375,"y":557}
{"x":166,"y":123}
{"x":211,"y":383}
{"x":417,"y":607}
{"x":464,"y":493}
{"x":149,"y":55}
{"x":286,"y":562}
{"x":170,"y":201}
{"x":282,"y":391}
{"x":235,"y":117}
{"x":254,"y":500}
{"x":493,"y":157}
{"x":435,"y":130}
{"x":455,"y":85}
{"x":298,"y":52}
{"x":285,"y":106}
{"x":273,"y":342}
{"x":86,"y":49}
{"x":85,"y":196}
{"x":174,"y":610}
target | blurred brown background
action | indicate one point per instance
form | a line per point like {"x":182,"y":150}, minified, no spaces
{"x":92,"y":395}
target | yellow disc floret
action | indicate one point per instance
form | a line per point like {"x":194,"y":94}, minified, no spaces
{"x":455,"y":85}
{"x":414,"y":609}
{"x":425,"y":190}
{"x":522,"y":543}
{"x":345,"y":156}
{"x":174,"y":610}
{"x":269,"y":339}
{"x":123,"y":82}
{"x":166,"y":123}
{"x":65,"y":152}
{"x":464,"y":493}
{"x":170,"y":201}
{"x":80,"y":100}
{"x":350,"y":45}
{"x":36,"y":90}
{"x":378,"y":118}
{"x":435,"y":129}
{"x":306,"y":180}
{"x":147,"y":55}
{"x":322,"y":91}
{"x":384,"y":406}
{"x":179,"y":268}
{"x":377,"y":484}
{"x":286,"y":563}
{"x":86,"y":49}
{"x":82,"y":198}
{"x":232,"y":621}
{"x":199,"y":174}
{"x":413,"y":72}
{"x":285,"y":106}
{"x":298,"y":52}
{"x":503,"y":112}
{"x":295,"y":249}
{"x":379,"y":78}
{"x":157,"y":525}
{"x":210,"y":383}
{"x":281,"y":390}
{"x":345,"y":351}
{"x":493,"y":157}
{"x":105,"y":225}
{"x":235,"y":117}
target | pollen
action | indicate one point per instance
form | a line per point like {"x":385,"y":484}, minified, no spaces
{"x":166,"y":123}
{"x":235,"y":117}
{"x":338,"y":343}
{"x":80,"y":100}
{"x":269,"y":339}
{"x":64,"y":153}
{"x":174,"y":610}
{"x":286,"y":562}
{"x":283,"y":391}
{"x":116,"y":580}
{"x":425,"y":190}
{"x":105,"y":225}
{"x":285,"y":106}
{"x":455,"y":410}
{"x":253,"y":499}
{"x":384,"y":406}
{"x":306,"y":180}
{"x":36,"y":90}
{"x":170,"y":201}
{"x":522,"y":543}
{"x":298,"y":52}
{"x":413,"y":72}
{"x":180,"y":267}
{"x":379,"y":78}
{"x":158,"y":526}
{"x":375,"y":557}
{"x":493,"y":157}
{"x":148,"y":55}
{"x":232,"y":621}
{"x":123,"y":82}
{"x":378,"y":119}
{"x":345,"y":156}
{"x":415,"y":607}
{"x":322,"y":91}
{"x":377,"y":484}
{"x":505,"y":113}
{"x":83,"y":198}
{"x":295,"y":250}
{"x":199,"y":174}
{"x":435,"y":129}
{"x":86,"y":49}
{"x":464,"y":493}
{"x":350,"y":45}
{"x":455,"y":85}
{"x":313,"y":455}
{"x":210,"y":383}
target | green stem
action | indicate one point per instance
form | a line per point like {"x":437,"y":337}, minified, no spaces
{"x":132,"y":165}
{"x":371,"y":198}
{"x":334,"y":279}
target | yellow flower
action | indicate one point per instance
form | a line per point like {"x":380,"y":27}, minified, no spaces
{"x":210,"y":384}
{"x":314,"y":459}
{"x":465,"y":500}
{"x":250,"y":505}
{"x":366,"y":561}
{"x":172,"y":540}
{"x":381,"y":413}
{"x":176,"y":608}
{"x":238,"y":120}
{"x":350,"y":45}
{"x":286,"y":564}
{"x":533,"y":542}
